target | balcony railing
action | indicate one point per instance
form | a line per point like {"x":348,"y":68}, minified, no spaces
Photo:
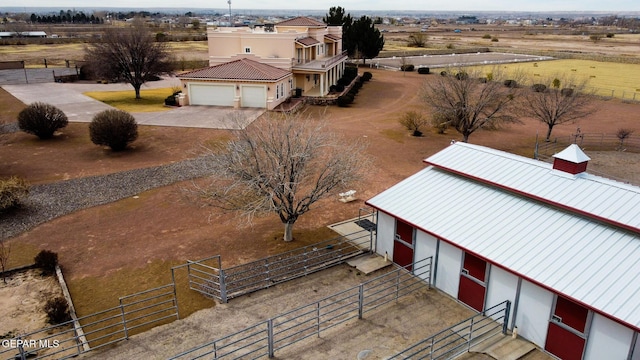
{"x":319,"y":63}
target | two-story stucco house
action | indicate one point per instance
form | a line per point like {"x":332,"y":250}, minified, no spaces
{"x":265,"y":65}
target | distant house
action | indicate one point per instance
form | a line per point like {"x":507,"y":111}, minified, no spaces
{"x":308,"y":51}
{"x":561,"y":244}
{"x":31,"y":34}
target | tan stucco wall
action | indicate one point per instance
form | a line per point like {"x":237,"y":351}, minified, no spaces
{"x":276,"y":48}
{"x":271,"y":46}
{"x":273,"y":99}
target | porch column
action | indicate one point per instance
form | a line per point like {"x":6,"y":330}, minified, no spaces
{"x":322,"y":80}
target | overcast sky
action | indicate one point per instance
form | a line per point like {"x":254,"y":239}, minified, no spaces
{"x":426,"y":5}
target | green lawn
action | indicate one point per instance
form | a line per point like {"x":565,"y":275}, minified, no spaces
{"x":152,"y":99}
{"x":605,"y":78}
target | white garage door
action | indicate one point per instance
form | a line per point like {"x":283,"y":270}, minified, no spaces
{"x":216,"y":95}
{"x":254,"y":96}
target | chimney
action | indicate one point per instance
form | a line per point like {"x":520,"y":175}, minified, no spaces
{"x":571,"y":160}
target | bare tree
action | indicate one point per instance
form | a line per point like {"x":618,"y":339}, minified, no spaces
{"x":5,"y":251}
{"x":130,"y":54}
{"x":417,"y":39}
{"x":555,"y":106}
{"x":467,"y":101}
{"x":622,"y":134}
{"x":282,"y":166}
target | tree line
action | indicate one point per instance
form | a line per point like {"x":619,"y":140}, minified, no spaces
{"x":66,"y":18}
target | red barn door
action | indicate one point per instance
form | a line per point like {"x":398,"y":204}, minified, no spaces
{"x":566,"y":334}
{"x":472,"y":288}
{"x":403,"y":245}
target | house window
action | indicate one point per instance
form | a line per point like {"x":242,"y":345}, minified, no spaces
{"x":247,"y":50}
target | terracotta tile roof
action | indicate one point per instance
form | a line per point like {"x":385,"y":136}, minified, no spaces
{"x":307,"y":41}
{"x":332,"y":37}
{"x":301,"y":21}
{"x":242,"y":69}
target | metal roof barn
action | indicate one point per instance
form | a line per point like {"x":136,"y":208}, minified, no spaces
{"x":577,"y":235}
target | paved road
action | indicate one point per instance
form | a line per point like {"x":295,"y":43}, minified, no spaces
{"x":81,"y":108}
{"x":439,"y":61}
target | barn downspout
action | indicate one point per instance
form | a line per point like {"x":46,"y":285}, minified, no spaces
{"x":516,"y":302}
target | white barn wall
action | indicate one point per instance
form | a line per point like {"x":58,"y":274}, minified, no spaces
{"x":503,"y":286}
{"x":425,"y":246}
{"x":636,"y":350}
{"x":385,"y":234}
{"x":534,"y":310}
{"x":608,"y":340}
{"x":448,"y":269}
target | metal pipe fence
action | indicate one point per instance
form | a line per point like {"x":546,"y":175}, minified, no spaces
{"x":135,"y":313}
{"x":265,"y":338}
{"x":459,"y":338}
{"x":589,"y":142}
{"x":225,"y":284}
{"x":143,"y":310}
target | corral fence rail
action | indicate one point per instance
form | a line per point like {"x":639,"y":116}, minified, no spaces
{"x":589,"y":142}
{"x":135,"y":312}
{"x":264,"y":338}
{"x":209,"y":278}
{"x":143,"y":310}
{"x":459,"y":338}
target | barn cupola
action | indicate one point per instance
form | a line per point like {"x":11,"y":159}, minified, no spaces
{"x":571,"y":160}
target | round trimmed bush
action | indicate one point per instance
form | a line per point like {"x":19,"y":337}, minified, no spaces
{"x":539,"y":87}
{"x":367,"y":76}
{"x":423,"y":70}
{"x":344,"y":101}
{"x":41,"y":120}
{"x":408,"y":67}
{"x":57,"y":311}
{"x":462,"y":75}
{"x":113,"y":128}
{"x":46,"y":260}
{"x":12,"y":190}
{"x":511,"y":83}
{"x":566,"y":91}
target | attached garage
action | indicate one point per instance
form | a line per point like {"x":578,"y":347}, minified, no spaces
{"x":254,"y":96}
{"x":239,"y":83}
{"x":211,"y":94}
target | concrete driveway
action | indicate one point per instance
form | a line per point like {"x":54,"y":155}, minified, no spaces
{"x":81,"y":108}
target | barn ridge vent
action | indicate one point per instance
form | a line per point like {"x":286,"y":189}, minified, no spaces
{"x":571,"y":160}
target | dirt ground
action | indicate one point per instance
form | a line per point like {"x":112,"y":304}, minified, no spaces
{"x":22,"y":301}
{"x":165,"y":227}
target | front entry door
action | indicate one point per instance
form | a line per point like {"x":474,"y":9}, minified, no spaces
{"x":473,"y":286}
{"x":403,"y":245}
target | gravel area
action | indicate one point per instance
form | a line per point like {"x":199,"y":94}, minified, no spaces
{"x":49,"y":201}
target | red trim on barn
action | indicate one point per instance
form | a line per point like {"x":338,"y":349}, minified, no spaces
{"x":570,"y":167}
{"x":608,"y":316}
